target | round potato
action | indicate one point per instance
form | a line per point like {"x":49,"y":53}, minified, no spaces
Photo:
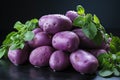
{"x":54,"y":23}
{"x":59,"y":60}
{"x":97,"y":52}
{"x":40,"y":56}
{"x":36,"y":30}
{"x":66,"y":41}
{"x":19,"y":56}
{"x":71,"y":14}
{"x":40,"y":39}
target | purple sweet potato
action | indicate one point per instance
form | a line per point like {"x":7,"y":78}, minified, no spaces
{"x":66,"y":41}
{"x":59,"y":60}
{"x":40,"y":56}
{"x":83,"y":62}
{"x":71,"y":14}
{"x":54,"y":23}
{"x":19,"y":56}
{"x":40,"y":39}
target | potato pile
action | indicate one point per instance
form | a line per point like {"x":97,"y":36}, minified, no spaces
{"x":58,"y":44}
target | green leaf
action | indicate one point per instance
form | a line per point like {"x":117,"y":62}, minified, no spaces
{"x":88,"y":18}
{"x":79,"y":21}
{"x":29,"y":35}
{"x":98,"y":38}
{"x":106,"y":36}
{"x":18,"y":25}
{"x":2,"y":52}
{"x":115,"y":44}
{"x":116,"y":72}
{"x":31,"y":24}
{"x":14,"y":46}
{"x":118,"y":56}
{"x":105,"y":73}
{"x":17,"y":45}
{"x":8,"y":40}
{"x":90,"y":30}
{"x":114,"y":57}
{"x":80,"y":10}
{"x":96,"y":20}
{"x":34,"y":20}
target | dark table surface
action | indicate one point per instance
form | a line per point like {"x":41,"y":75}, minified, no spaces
{"x":8,"y":71}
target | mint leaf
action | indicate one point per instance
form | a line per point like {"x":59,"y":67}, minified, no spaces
{"x":90,"y":30}
{"x":79,"y":21}
{"x":96,"y":20}
{"x":18,"y":25}
{"x":35,"y":21}
{"x":116,"y":72}
{"x":115,"y":44}
{"x":31,"y":24}
{"x":80,"y":10}
{"x":88,"y":18}
{"x":17,"y":45}
{"x":105,"y":73}
{"x":28,"y":36}
{"x":98,"y":38}
{"x":7,"y":41}
{"x":2,"y":52}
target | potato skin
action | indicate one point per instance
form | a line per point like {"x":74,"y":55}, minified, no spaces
{"x":71,"y":14}
{"x":83,"y":62}
{"x":36,"y":30}
{"x":40,"y":56}
{"x":97,"y":52}
{"x":59,"y":60}
{"x":54,"y":23}
{"x":66,"y":41}
{"x":19,"y":56}
{"x":40,"y":39}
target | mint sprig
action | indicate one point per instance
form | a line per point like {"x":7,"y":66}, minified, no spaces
{"x":90,"y":25}
{"x":110,"y":61}
{"x":109,"y":64}
{"x":17,"y":39}
{"x":81,"y":10}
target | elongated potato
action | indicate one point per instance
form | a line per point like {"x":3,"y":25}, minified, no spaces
{"x":66,"y":41}
{"x":84,"y":62}
{"x":54,"y":23}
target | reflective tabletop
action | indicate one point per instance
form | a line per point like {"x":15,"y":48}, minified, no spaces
{"x":8,"y":71}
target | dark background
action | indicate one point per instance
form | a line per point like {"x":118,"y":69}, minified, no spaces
{"x":13,"y":10}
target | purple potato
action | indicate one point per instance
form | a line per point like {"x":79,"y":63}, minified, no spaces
{"x":40,"y":56}
{"x":19,"y":56}
{"x":71,"y":14}
{"x":97,"y":52}
{"x":36,"y":30}
{"x":66,"y":41}
{"x":84,"y":62}
{"x":41,"y":39}
{"x":59,"y":60}
{"x":86,"y":43}
{"x":54,"y":23}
